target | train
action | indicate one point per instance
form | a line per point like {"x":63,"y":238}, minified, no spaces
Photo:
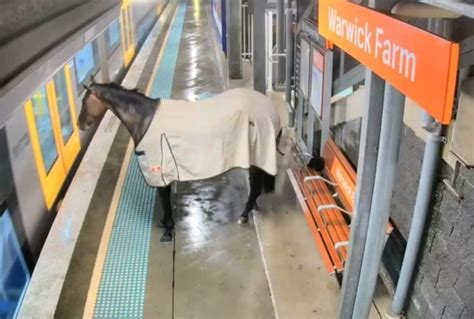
{"x":40,"y":144}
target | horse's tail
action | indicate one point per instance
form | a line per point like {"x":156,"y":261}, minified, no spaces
{"x":268,"y":183}
{"x":278,"y":142}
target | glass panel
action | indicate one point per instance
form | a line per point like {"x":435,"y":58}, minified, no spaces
{"x":304,"y":68}
{"x":45,"y":128}
{"x":14,"y":272}
{"x":317,"y":78}
{"x":85,"y":62}
{"x":113,"y":36}
{"x":63,"y":105}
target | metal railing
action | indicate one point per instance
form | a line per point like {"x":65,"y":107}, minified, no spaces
{"x":272,"y":58}
{"x":247,"y":32}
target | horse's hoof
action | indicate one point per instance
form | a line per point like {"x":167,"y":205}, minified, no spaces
{"x":160,"y":225}
{"x":167,"y":236}
{"x":243,"y":220}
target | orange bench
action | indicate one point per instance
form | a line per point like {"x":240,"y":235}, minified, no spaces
{"x":328,"y":202}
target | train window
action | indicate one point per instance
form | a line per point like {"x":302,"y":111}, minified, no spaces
{"x":64,"y":110}
{"x":113,"y":36}
{"x":68,"y":140}
{"x":44,"y":128}
{"x":86,"y":62}
{"x":40,"y":117}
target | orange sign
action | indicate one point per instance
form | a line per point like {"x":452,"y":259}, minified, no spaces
{"x":419,"y":64}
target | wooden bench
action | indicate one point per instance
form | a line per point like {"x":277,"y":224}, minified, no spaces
{"x":328,"y":201}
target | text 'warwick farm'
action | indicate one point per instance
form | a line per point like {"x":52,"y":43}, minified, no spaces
{"x":372,"y":41}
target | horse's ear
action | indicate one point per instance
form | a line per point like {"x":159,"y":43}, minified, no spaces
{"x":92,"y":79}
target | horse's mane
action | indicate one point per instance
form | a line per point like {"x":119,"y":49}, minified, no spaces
{"x":130,"y":101}
{"x":127,"y":98}
{"x":117,"y":87}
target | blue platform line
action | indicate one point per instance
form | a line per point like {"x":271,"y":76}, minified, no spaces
{"x":122,"y":285}
{"x":163,"y":83}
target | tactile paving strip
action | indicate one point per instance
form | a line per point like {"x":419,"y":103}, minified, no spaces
{"x":163,"y":83}
{"x":123,"y":282}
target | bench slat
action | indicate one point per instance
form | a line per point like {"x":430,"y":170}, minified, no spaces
{"x":323,"y":229}
{"x":328,"y":264}
{"x":320,"y":193}
{"x":335,"y":159}
{"x":335,"y":222}
{"x":340,"y":171}
{"x":329,"y":227}
{"x":343,"y":159}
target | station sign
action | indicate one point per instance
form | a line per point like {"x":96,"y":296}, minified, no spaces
{"x":419,"y":64}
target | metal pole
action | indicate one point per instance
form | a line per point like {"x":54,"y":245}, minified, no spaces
{"x":234,"y":38}
{"x":422,"y":205}
{"x":269,"y":37}
{"x":289,"y":63}
{"x":252,"y":35}
{"x":280,"y":69}
{"x":326,"y":100}
{"x":367,"y":162}
{"x":245,"y":30}
{"x":389,"y":146}
{"x":423,"y":197}
{"x":259,"y":65}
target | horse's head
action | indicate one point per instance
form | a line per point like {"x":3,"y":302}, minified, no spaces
{"x":93,"y":108}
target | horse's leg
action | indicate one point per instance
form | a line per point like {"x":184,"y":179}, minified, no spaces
{"x":167,"y":222}
{"x":256,"y":184}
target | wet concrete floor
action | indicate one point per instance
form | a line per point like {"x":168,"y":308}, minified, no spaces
{"x":217,"y":268}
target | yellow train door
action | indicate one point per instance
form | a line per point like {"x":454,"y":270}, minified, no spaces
{"x":127,"y":30}
{"x":51,"y":118}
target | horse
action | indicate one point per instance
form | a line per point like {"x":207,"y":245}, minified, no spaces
{"x":176,"y":140}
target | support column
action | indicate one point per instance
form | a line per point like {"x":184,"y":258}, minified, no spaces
{"x":104,"y":65}
{"x":431,"y":160}
{"x":289,"y":62}
{"x":367,"y":162}
{"x":259,"y":68}
{"x":389,"y":146}
{"x":280,"y":76}
{"x":234,"y":38}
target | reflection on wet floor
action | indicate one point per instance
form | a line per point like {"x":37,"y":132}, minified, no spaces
{"x":202,"y":206}
{"x":197,"y":73}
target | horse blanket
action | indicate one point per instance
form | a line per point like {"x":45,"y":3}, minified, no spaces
{"x":189,"y":141}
